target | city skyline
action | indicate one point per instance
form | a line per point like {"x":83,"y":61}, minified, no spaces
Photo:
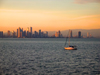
{"x":21,"y":33}
{"x":49,"y":15}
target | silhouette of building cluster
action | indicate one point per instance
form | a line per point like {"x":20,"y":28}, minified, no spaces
{"x":28,"y":33}
{"x":40,"y":34}
{"x":58,"y":34}
{"x":9,"y":34}
{"x":71,"y":35}
{"x":89,"y":35}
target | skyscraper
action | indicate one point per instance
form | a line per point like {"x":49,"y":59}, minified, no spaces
{"x":1,"y":34}
{"x":30,"y":31}
{"x":88,"y":35}
{"x":59,"y":33}
{"x":79,"y":34}
{"x":35,"y":34}
{"x":24,"y":33}
{"x":40,"y":33}
{"x":13,"y":33}
{"x":56,"y":34}
{"x":19,"y":32}
{"x":8,"y":33}
{"x":27,"y":31}
{"x":46,"y":34}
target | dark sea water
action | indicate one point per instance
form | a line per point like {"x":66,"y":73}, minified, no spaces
{"x":46,"y":56}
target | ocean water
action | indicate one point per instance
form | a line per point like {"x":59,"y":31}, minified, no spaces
{"x":46,"y":56}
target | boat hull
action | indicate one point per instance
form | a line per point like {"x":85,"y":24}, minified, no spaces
{"x":70,"y":48}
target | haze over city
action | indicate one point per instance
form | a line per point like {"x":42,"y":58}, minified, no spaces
{"x":49,"y":37}
{"x":49,"y":15}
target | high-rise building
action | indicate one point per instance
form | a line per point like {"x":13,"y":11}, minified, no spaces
{"x":79,"y":34}
{"x":30,"y":31}
{"x":1,"y":34}
{"x":58,"y":34}
{"x":40,"y":33}
{"x":46,"y":34}
{"x":35,"y":34}
{"x":27,"y":31}
{"x":13,"y":33}
{"x":88,"y":35}
{"x":24,"y":34}
{"x":8,"y":33}
{"x":20,"y":33}
{"x":17,"y":32}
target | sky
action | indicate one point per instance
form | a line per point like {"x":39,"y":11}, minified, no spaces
{"x":49,"y":15}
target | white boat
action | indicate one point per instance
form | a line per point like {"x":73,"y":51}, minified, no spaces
{"x":70,"y":47}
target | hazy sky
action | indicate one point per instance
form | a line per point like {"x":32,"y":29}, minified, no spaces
{"x":49,"y":15}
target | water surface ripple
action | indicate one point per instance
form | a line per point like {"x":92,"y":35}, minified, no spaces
{"x":46,"y":56}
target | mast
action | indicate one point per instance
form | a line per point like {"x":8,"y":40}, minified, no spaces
{"x":69,"y":38}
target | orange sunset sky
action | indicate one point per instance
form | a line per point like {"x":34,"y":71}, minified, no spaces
{"x":49,"y":15}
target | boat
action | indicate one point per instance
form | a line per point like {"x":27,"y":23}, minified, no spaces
{"x":70,"y":47}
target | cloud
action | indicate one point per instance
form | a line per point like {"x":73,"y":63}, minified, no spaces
{"x":86,"y":1}
{"x":84,"y":17}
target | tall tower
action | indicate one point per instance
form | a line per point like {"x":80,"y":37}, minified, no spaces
{"x":35,"y":34}
{"x":27,"y":31}
{"x":13,"y":33}
{"x":40,"y":33}
{"x":24,"y":33}
{"x":88,"y":35}
{"x":8,"y":33}
{"x":59,"y":33}
{"x":79,"y":34}
{"x":30,"y":31}
{"x":19,"y":32}
{"x":1,"y":34}
{"x":46,"y":34}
